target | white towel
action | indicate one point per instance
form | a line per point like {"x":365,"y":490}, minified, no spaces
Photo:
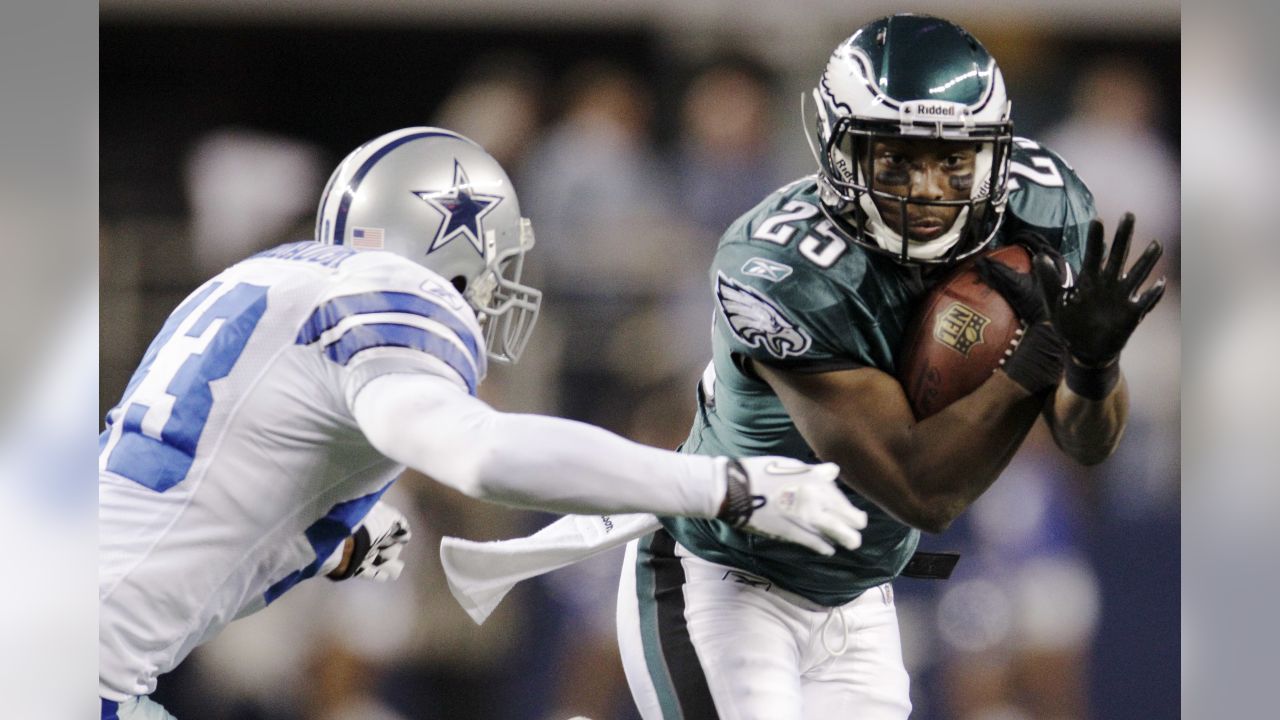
{"x":480,"y":574}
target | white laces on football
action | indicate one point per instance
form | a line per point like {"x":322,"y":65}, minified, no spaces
{"x":844,"y":632}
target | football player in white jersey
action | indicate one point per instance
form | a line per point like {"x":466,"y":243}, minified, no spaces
{"x":283,"y":396}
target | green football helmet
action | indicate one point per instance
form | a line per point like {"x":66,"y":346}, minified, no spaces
{"x":911,"y":77}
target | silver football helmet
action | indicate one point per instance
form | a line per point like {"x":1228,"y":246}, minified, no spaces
{"x":911,"y":77}
{"x":439,"y":199}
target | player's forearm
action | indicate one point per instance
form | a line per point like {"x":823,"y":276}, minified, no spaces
{"x":572,"y":467}
{"x":923,"y":473}
{"x":1088,"y":430}
{"x":943,"y":463}
{"x":529,"y":460}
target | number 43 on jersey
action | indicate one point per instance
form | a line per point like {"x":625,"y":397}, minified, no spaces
{"x":152,"y":435}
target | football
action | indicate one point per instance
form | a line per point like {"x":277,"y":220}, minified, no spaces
{"x":961,"y":331}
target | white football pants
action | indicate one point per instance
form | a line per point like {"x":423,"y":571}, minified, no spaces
{"x":141,"y":708}
{"x":702,"y":641}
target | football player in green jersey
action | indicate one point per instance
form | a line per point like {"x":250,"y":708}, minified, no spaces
{"x":815,"y":287}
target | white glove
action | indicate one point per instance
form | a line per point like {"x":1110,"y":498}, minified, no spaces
{"x":376,"y":545}
{"x":785,"y":499}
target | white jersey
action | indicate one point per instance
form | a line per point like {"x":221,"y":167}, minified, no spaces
{"x":233,"y":467}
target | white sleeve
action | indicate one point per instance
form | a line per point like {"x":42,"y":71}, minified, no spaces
{"x":532,"y":461}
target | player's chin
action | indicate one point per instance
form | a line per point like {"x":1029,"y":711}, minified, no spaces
{"x":918,"y":230}
{"x":925,"y":231}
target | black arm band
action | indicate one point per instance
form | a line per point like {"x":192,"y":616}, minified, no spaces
{"x":1094,"y":383}
{"x":738,"y":505}
{"x":360,"y":544}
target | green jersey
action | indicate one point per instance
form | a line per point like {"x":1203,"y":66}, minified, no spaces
{"x":793,"y":293}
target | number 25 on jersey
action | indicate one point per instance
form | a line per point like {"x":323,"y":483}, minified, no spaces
{"x":823,"y":246}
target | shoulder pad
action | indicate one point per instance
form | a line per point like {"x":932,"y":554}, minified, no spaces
{"x":383,"y":301}
{"x":1046,"y":196}
{"x":1044,"y":191}
{"x":788,"y":231}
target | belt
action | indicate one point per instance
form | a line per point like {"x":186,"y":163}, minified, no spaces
{"x":931,"y":566}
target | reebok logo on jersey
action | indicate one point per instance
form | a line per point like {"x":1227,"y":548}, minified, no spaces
{"x":767,"y":269}
{"x":742,"y":578}
{"x":758,"y":322}
{"x":448,"y":296}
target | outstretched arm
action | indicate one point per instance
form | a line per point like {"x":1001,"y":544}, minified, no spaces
{"x":428,"y":424}
{"x":534,"y":461}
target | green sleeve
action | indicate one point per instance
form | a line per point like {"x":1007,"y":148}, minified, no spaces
{"x":1050,"y":199}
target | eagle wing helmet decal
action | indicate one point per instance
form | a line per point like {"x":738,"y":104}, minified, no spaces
{"x":758,"y":322}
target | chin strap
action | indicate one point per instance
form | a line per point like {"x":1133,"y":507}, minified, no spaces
{"x":892,"y":241}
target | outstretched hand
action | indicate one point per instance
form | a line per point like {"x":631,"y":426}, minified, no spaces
{"x":1098,"y":312}
{"x":799,"y":503}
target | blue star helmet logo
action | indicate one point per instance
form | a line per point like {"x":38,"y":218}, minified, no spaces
{"x":463,"y":210}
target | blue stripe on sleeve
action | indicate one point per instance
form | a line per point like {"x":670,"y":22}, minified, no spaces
{"x":110,"y":709}
{"x":325,"y":535}
{"x":327,"y":316}
{"x":365,"y":337}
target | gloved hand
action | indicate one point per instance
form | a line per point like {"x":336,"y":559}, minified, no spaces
{"x":785,"y":499}
{"x":1036,"y":360}
{"x":376,"y":545}
{"x":1098,"y":313}
{"x":1020,"y":290}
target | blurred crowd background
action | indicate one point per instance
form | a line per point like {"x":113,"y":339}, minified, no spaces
{"x":634,"y":137}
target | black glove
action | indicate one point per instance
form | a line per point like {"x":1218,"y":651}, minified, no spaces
{"x":1098,"y":313}
{"x":1018,"y":289}
{"x":1021,"y":290}
{"x":1036,"y":244}
{"x":1036,"y":361}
